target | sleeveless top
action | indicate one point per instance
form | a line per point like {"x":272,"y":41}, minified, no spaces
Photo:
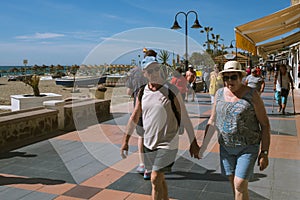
{"x":160,"y":123}
{"x":236,"y":122}
{"x":283,"y":81}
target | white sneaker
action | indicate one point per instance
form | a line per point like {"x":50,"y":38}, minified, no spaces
{"x":141,"y":168}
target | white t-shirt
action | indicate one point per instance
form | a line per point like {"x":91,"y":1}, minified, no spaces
{"x":159,"y":120}
{"x":285,"y":82}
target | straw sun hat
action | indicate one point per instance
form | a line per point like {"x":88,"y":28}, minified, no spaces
{"x":233,"y":66}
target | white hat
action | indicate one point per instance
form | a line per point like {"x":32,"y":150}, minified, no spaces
{"x":233,"y":66}
{"x":191,"y":66}
{"x":147,"y":61}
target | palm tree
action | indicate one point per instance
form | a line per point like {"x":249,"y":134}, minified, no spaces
{"x":164,"y":56}
{"x":207,"y":29}
{"x":215,"y":42}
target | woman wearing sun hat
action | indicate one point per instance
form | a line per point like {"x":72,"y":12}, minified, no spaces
{"x":240,"y":118}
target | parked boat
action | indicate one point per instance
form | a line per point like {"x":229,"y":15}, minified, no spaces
{"x":80,"y":81}
{"x":115,"y":80}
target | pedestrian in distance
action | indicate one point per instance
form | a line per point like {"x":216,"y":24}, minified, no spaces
{"x":179,"y":81}
{"x":190,"y":76}
{"x":243,"y":128}
{"x":216,"y":82}
{"x":255,"y":81}
{"x":283,"y":82}
{"x":206,"y":80}
{"x":161,"y":126}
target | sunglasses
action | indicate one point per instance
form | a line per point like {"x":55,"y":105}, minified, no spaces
{"x":150,"y":71}
{"x":233,"y":77}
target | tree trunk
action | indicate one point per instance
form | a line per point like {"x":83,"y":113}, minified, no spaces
{"x":36,"y":90}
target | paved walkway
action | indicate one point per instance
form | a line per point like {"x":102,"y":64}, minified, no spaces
{"x":86,"y":164}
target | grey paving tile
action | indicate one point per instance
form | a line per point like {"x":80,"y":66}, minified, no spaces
{"x":38,"y":196}
{"x":88,"y":171}
{"x":64,"y":146}
{"x":79,"y":162}
{"x":283,"y":127}
{"x":109,"y":154}
{"x":219,"y":187}
{"x":183,"y":193}
{"x":287,"y":176}
{"x":260,"y":192}
{"x":286,"y":195}
{"x":71,"y":155}
{"x":39,"y":147}
{"x":182,"y":164}
{"x":186,"y":180}
{"x":214,"y":196}
{"x":3,"y":187}
{"x":14,"y":194}
{"x":131,"y":182}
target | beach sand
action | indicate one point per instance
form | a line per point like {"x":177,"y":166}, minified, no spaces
{"x":8,"y":88}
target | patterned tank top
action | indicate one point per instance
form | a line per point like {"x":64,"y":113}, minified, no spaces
{"x":236,"y":122}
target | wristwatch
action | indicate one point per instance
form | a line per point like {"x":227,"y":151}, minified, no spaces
{"x":264,"y":152}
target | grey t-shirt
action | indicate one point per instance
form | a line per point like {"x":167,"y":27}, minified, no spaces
{"x":254,"y":82}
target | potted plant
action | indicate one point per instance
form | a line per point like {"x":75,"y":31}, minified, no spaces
{"x":25,"y":101}
{"x":33,"y":81}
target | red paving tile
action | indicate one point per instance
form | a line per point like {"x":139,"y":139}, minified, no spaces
{"x":104,"y":179}
{"x":111,"y":194}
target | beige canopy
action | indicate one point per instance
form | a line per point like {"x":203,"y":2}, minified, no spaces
{"x":270,"y":47}
{"x":276,"y":24}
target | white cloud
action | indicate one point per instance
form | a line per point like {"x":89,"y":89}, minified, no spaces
{"x":40,"y":36}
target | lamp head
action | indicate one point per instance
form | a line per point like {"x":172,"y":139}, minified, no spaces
{"x":196,"y":24}
{"x":176,"y":25}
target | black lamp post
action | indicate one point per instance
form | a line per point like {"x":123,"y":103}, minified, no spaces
{"x":231,"y":46}
{"x":195,"y":25}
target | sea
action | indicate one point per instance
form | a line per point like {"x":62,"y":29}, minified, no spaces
{"x":17,"y":70}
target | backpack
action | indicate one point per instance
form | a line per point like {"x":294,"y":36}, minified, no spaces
{"x":171,"y":97}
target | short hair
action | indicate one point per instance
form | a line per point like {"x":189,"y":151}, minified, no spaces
{"x":150,"y":52}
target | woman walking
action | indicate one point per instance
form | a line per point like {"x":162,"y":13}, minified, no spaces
{"x":240,"y":118}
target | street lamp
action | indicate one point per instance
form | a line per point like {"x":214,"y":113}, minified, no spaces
{"x":231,"y":46}
{"x":195,"y":25}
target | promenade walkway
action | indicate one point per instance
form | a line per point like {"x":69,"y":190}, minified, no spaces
{"x":86,"y":164}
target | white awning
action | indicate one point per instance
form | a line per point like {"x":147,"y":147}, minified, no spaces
{"x":278,"y":44}
{"x":276,"y":24}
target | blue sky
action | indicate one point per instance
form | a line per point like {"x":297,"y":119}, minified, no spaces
{"x":67,"y":31}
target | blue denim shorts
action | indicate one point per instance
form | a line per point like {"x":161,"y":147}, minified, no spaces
{"x":160,"y":160}
{"x":238,"y":161}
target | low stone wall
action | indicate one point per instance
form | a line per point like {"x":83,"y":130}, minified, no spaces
{"x":24,"y":127}
{"x":81,"y":114}
{"x":21,"y":128}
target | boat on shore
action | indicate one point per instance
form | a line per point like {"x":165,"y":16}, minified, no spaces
{"x":80,"y":81}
